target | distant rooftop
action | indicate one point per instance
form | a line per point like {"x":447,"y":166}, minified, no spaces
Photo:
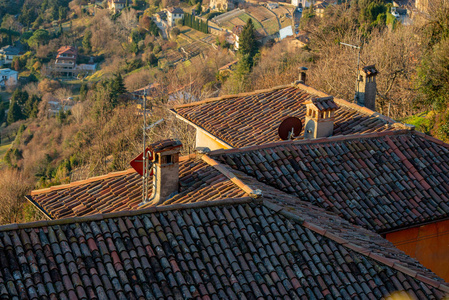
{"x":253,"y":118}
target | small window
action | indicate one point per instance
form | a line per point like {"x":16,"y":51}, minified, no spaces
{"x":169,"y":159}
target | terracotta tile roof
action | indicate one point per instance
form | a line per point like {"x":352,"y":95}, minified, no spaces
{"x":382,"y":181}
{"x":230,"y":249}
{"x":253,"y":118}
{"x":123,"y":191}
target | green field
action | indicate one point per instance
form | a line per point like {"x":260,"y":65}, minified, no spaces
{"x":246,"y":17}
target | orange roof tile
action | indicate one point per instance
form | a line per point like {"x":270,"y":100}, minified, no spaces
{"x":123,"y":191}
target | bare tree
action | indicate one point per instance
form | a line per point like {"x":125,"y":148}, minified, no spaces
{"x":14,"y":185}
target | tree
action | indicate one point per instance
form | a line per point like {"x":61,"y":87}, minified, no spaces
{"x":14,"y":185}
{"x":30,"y":109}
{"x":14,"y":113}
{"x":38,"y":38}
{"x":86,"y":41}
{"x":247,"y":42}
{"x":433,"y":74}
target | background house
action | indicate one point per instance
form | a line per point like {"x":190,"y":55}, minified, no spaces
{"x":65,"y":62}
{"x":116,"y":5}
{"x":174,"y":14}
{"x":8,"y":53}
{"x":8,"y":77}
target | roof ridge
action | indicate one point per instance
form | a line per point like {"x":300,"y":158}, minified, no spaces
{"x":331,"y":139}
{"x":231,"y":176}
{"x":96,"y":178}
{"x":128,"y":213}
{"x":226,"y":97}
{"x":81,"y":182}
{"x":359,"y":249}
{"x":432,"y":139}
{"x":365,"y":110}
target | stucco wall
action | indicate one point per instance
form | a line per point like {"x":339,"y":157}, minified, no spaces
{"x":204,"y":140}
{"x":429,"y":244}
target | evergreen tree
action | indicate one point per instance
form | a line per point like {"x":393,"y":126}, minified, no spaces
{"x":117,"y":88}
{"x":247,"y":42}
{"x":19,"y":97}
{"x":30,"y":109}
{"x":14,"y":113}
{"x":87,"y":41}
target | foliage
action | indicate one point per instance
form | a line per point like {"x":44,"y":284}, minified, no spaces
{"x":39,"y":37}
{"x":87,"y":45}
{"x":195,"y":23}
{"x":14,"y":185}
{"x":148,"y":24}
{"x":247,"y":43}
{"x":14,"y":113}
{"x":433,"y":73}
{"x":213,"y":14}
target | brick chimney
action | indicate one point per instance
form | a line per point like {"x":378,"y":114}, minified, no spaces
{"x":166,"y":169}
{"x":366,"y":89}
{"x":320,"y":117}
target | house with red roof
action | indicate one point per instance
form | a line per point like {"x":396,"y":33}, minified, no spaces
{"x":65,"y":63}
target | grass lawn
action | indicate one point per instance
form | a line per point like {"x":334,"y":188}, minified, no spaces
{"x":246,"y":17}
{"x":422,"y":122}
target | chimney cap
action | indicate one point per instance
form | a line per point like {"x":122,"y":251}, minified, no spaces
{"x":370,"y":70}
{"x":165,"y":145}
{"x":303,"y":68}
{"x":323,"y":103}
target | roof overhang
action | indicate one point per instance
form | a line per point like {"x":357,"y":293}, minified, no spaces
{"x":218,"y":140}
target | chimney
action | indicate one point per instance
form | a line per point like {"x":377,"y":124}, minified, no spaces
{"x":166,"y":169}
{"x":302,"y":74}
{"x":366,"y":87}
{"x":320,"y":116}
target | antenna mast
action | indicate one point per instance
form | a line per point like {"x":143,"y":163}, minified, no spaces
{"x":144,"y":157}
{"x":356,"y":90}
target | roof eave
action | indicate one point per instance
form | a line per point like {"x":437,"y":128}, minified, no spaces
{"x":218,"y":140}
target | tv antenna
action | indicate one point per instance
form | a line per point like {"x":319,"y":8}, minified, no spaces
{"x":145,"y":157}
{"x":356,"y":91}
{"x":290,"y":128}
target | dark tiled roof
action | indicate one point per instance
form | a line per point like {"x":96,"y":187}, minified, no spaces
{"x":240,"y":249}
{"x":381,"y":181}
{"x":253,"y":118}
{"x":123,"y":191}
{"x":175,"y":10}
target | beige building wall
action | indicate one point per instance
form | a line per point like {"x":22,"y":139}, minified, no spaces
{"x":205,"y":140}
